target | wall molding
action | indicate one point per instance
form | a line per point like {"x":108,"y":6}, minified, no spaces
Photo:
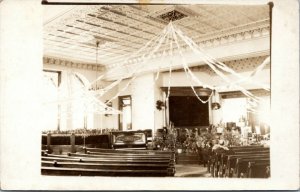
{"x":238,"y":94}
{"x":71,"y":64}
{"x":238,"y":65}
{"x":238,"y":33}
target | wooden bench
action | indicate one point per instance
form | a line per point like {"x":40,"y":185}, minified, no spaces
{"x":104,"y":172}
{"x":127,"y":154}
{"x":246,"y":147}
{"x":100,"y":150}
{"x":249,"y":150}
{"x":128,"y":151}
{"x":150,"y":157}
{"x":258,"y":170}
{"x":217,"y":159}
{"x":240,"y":150}
{"x":231,"y":160}
{"x":225,"y":163}
{"x":105,"y":160}
{"x":215,"y":162}
{"x":241,"y":167}
{"x":108,"y":164}
{"x":230,"y":163}
{"x":113,"y":166}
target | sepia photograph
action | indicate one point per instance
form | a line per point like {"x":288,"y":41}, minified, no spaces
{"x":149,"y":95}
{"x":168,"y":90}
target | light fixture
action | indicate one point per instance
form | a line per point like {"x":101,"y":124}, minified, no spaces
{"x":97,"y":46}
{"x":215,"y":105}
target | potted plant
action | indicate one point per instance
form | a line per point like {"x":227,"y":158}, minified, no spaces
{"x":160,"y":105}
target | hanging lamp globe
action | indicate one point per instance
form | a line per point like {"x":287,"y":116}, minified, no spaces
{"x":215,"y":106}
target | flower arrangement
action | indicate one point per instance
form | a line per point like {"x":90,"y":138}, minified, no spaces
{"x":165,"y":141}
{"x":190,"y":145}
{"x":231,"y":139}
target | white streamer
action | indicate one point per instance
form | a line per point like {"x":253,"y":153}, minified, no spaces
{"x":208,"y":58}
{"x":188,"y":71}
{"x":188,"y":41}
{"x":142,"y":66}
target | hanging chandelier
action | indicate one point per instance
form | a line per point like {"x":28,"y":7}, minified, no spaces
{"x":96,"y":86}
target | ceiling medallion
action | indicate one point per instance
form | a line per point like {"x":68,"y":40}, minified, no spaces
{"x":172,"y":16}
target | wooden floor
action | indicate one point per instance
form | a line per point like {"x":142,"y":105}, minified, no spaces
{"x":191,"y":170}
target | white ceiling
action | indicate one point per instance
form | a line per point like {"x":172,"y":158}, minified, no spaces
{"x":71,"y":32}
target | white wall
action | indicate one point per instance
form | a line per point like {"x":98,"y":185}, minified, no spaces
{"x":158,"y":95}
{"x":145,"y":91}
{"x":143,"y":106}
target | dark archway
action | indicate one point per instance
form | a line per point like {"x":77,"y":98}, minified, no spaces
{"x":188,"y":111}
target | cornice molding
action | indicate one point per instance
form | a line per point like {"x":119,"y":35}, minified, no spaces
{"x":249,"y":31}
{"x":238,"y":65}
{"x":72,"y":64}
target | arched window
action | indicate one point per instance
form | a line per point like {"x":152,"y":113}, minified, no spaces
{"x":51,"y":81}
{"x":65,"y":102}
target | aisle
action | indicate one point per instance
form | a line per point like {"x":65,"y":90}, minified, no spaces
{"x":191,"y":170}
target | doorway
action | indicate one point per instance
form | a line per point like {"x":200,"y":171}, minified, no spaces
{"x":188,"y":111}
{"x":125,"y":118}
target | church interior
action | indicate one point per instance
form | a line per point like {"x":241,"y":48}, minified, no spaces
{"x":156,"y":90}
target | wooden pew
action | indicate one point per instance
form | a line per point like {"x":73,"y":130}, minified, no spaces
{"x":100,"y":150}
{"x":220,"y":158}
{"x":126,"y":154}
{"x":231,"y":161}
{"x":215,"y":162}
{"x":104,"y":165}
{"x":128,"y":151}
{"x":258,"y":170}
{"x":104,"y":160}
{"x":241,"y":167}
{"x":78,"y":155}
{"x":123,"y":165}
{"x":150,"y":157}
{"x":224,"y":159}
{"x":242,"y":150}
{"x":112,"y":166}
{"x":249,"y":149}
{"x":246,"y":147}
{"x":104,"y":172}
